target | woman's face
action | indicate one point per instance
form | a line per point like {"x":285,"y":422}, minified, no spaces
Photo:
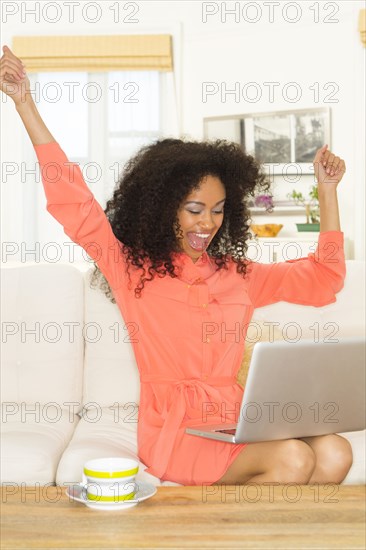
{"x":200,"y":216}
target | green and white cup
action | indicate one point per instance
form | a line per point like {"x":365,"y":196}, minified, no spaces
{"x":110,"y":479}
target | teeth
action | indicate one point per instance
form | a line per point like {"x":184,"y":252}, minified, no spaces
{"x":203,"y":235}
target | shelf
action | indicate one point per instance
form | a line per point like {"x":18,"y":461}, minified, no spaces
{"x":308,"y":236}
{"x":278,"y":211}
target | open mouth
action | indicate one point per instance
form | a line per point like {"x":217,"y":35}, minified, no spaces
{"x":198,"y":241}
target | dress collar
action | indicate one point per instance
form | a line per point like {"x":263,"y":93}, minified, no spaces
{"x":190,"y":271}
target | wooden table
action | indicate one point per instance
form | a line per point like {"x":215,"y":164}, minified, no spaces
{"x":235,"y":516}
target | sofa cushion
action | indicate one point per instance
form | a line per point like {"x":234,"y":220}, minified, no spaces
{"x":344,"y":317}
{"x":357,"y":472}
{"x":258,"y":331}
{"x":112,"y":433}
{"x":42,"y":357}
{"x":111,"y":375}
{"x":31,"y":450}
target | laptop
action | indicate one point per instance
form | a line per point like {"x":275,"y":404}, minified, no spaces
{"x":294,"y":390}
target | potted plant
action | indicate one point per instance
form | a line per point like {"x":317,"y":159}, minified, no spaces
{"x":311,"y":205}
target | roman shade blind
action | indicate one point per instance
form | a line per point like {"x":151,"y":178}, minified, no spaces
{"x":95,"y":53}
{"x":362,"y":26}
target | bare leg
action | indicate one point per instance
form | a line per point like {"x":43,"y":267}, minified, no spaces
{"x":333,"y":458}
{"x":283,"y":461}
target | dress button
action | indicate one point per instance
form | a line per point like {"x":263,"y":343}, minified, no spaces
{"x":204,"y":305}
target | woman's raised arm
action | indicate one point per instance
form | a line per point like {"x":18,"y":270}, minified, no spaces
{"x":14,"y":82}
{"x":69,"y":200}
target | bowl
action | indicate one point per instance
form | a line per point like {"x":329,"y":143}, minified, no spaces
{"x":266,"y":230}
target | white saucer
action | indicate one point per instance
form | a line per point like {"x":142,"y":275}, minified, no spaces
{"x":78,"y":493}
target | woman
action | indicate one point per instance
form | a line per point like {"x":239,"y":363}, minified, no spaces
{"x":170,"y":248}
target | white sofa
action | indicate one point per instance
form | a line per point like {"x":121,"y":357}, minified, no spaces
{"x":70,"y":386}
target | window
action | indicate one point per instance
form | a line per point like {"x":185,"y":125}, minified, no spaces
{"x":100,"y":120}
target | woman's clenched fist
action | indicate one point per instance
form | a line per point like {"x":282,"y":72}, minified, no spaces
{"x":14,"y":81}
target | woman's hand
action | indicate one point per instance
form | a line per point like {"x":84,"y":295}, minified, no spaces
{"x":13,"y":80}
{"x":329,"y":168}
{"x":15,"y":83}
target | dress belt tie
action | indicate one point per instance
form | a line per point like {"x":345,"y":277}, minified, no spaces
{"x":173,"y":417}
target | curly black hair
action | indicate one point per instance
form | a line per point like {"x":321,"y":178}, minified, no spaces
{"x":150,"y":190}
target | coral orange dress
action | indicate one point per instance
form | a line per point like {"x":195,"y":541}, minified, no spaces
{"x":191,"y":329}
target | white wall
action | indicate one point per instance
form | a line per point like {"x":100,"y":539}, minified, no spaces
{"x":225,"y":51}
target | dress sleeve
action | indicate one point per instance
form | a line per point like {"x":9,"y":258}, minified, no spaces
{"x":71,"y":203}
{"x":313,"y":280}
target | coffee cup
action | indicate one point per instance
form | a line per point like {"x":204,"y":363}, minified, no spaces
{"x":110,"y":479}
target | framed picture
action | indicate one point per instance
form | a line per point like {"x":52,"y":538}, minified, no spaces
{"x":285,"y":142}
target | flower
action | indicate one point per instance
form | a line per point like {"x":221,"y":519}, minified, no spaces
{"x":266,"y":201}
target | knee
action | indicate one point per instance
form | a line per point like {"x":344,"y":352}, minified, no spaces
{"x":296,"y":463}
{"x":335,"y":459}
